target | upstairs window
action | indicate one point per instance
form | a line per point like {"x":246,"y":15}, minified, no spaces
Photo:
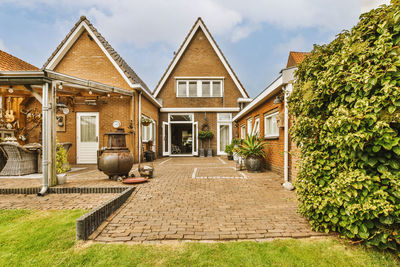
{"x":199,"y":88}
{"x":249,"y":125}
{"x":243,"y":131}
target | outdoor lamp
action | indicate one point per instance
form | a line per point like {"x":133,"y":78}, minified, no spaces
{"x":11,"y":90}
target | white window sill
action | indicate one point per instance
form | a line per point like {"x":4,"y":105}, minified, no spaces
{"x":271,"y":137}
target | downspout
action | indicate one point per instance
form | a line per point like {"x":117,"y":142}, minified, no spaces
{"x":140,"y":126}
{"x":45,"y":151}
{"x":287,"y":184}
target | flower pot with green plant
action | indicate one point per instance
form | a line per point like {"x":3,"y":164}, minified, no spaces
{"x":252,"y":149}
{"x":61,"y":164}
{"x":235,"y":144}
{"x":228,"y":151}
{"x":203,"y":136}
{"x":146,"y":121}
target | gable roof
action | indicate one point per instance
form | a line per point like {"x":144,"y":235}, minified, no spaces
{"x":296,"y":58}
{"x":199,"y":24}
{"x":10,"y":63}
{"x":84,"y":24}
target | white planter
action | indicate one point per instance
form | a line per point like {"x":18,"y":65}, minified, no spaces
{"x":61,"y":178}
{"x":235,"y":156}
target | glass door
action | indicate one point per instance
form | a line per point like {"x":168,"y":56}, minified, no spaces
{"x":165,"y":138}
{"x":224,"y":137}
{"x":195,"y":143}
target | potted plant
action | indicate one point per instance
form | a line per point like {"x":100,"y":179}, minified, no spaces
{"x":146,"y":121}
{"x":252,"y":149}
{"x":61,"y":164}
{"x":235,"y":144}
{"x":228,"y":151}
{"x":206,"y":135}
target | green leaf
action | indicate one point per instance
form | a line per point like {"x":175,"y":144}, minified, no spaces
{"x":334,"y":220}
{"x":376,"y":148}
{"x":396,"y":150}
{"x":386,"y":220}
{"x":372,"y":161}
{"x":394,"y":164}
{"x":382,"y":168}
{"x":391,"y":109}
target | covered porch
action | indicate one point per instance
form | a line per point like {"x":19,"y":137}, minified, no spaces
{"x":35,"y":115}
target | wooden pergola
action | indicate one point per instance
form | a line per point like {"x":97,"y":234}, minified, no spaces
{"x":45,"y":85}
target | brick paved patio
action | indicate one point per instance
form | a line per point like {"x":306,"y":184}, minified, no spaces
{"x":206,"y":199}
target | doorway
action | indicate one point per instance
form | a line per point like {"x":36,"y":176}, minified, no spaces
{"x":87,"y":137}
{"x":180,"y":135}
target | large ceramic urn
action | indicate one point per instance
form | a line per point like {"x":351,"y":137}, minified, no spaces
{"x":115,"y":160}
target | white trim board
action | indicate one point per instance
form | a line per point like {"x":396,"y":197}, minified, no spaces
{"x":199,"y":24}
{"x":203,"y":109}
{"x":270,"y":89}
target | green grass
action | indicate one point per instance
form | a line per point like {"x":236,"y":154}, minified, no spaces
{"x":47,"y":238}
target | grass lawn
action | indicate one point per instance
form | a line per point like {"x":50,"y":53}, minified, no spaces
{"x":47,"y":238}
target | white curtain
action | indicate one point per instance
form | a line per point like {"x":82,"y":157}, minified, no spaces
{"x":224,"y":137}
{"x":88,"y":129}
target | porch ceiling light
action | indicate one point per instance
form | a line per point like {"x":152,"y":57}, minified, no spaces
{"x":11,"y":90}
{"x":90,"y":92}
{"x":60,"y":86}
{"x":277,"y":100}
{"x":108,"y":95}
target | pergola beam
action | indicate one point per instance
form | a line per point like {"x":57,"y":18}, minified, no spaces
{"x":33,"y":92}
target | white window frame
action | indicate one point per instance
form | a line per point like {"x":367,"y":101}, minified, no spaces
{"x":243,"y":131}
{"x":222,"y":120}
{"x":152,"y":133}
{"x":256,"y":127}
{"x":275,"y":114}
{"x":249,"y":124}
{"x":182,"y":114}
{"x":199,"y":87}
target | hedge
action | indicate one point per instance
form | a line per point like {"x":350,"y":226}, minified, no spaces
{"x":346,"y":104}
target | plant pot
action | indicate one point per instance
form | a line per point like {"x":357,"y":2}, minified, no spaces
{"x":209,"y":152}
{"x":61,"y":178}
{"x":253,"y":164}
{"x":201,"y":152}
{"x":146,"y":123}
{"x":236,"y":156}
{"x":230,"y":157}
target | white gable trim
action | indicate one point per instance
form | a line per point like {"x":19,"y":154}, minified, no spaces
{"x":72,"y":39}
{"x":217,"y":51}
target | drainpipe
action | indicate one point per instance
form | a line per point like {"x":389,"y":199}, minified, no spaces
{"x":45,"y":151}
{"x":287,"y":184}
{"x":140,"y":126}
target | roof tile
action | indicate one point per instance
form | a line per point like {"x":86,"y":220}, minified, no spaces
{"x":10,"y":63}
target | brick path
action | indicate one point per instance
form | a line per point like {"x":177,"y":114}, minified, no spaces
{"x":212,"y":203}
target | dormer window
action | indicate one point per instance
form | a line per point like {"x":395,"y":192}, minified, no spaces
{"x":199,"y":87}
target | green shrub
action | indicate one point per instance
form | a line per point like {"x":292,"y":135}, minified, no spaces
{"x":346,"y":101}
{"x":61,"y":159}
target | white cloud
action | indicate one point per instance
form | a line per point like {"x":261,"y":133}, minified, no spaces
{"x":296,"y":43}
{"x":2,"y":45}
{"x":367,"y":5}
{"x":143,"y":22}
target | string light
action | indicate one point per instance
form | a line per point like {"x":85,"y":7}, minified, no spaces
{"x":90,"y":92}
{"x":108,"y":95}
{"x":11,"y":90}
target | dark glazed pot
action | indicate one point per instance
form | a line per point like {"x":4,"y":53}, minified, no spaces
{"x":230,"y":157}
{"x":116,"y":162}
{"x":253,"y":164}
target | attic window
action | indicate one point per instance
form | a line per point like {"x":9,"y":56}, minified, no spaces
{"x":199,"y":88}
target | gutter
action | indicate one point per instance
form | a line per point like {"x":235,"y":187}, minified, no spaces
{"x":288,"y":185}
{"x":45,"y":150}
{"x":140,"y":126}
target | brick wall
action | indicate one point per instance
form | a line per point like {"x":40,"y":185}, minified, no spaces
{"x":275,"y":147}
{"x":86,"y":60}
{"x":199,"y":59}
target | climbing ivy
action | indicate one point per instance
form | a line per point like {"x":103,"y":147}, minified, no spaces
{"x":346,"y":103}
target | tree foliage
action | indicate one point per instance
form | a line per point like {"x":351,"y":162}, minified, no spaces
{"x":346,"y":102}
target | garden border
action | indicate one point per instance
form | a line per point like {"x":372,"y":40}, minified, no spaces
{"x":64,"y":190}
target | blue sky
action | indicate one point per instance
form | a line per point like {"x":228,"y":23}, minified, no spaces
{"x":255,"y":35}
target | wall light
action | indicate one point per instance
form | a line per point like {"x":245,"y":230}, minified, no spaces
{"x":90,"y":92}
{"x":11,"y":90}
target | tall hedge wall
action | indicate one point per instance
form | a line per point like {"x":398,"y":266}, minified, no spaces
{"x":346,"y":103}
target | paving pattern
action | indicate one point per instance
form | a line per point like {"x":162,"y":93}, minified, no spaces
{"x":175,"y":205}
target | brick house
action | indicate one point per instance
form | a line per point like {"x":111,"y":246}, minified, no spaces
{"x":85,"y":54}
{"x":198,"y":91}
{"x":267,"y":115}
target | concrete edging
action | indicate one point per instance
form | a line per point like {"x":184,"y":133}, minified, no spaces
{"x":63,"y":190}
{"x":89,"y":222}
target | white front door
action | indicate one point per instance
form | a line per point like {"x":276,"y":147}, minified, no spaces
{"x":224,"y":136}
{"x":165,"y":138}
{"x":87,"y":135}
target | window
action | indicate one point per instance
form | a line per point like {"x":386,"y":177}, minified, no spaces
{"x":270,"y":125}
{"x":199,"y":88}
{"x":181,"y":89}
{"x":256,"y":127}
{"x":216,"y":89}
{"x":243,"y":131}
{"x":148,"y":132}
{"x":249,"y":125}
{"x":180,"y":117}
{"x":224,"y":117}
{"x":206,"y":89}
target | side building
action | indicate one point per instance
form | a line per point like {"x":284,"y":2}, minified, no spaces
{"x":267,"y":116}
{"x":198,"y":91}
